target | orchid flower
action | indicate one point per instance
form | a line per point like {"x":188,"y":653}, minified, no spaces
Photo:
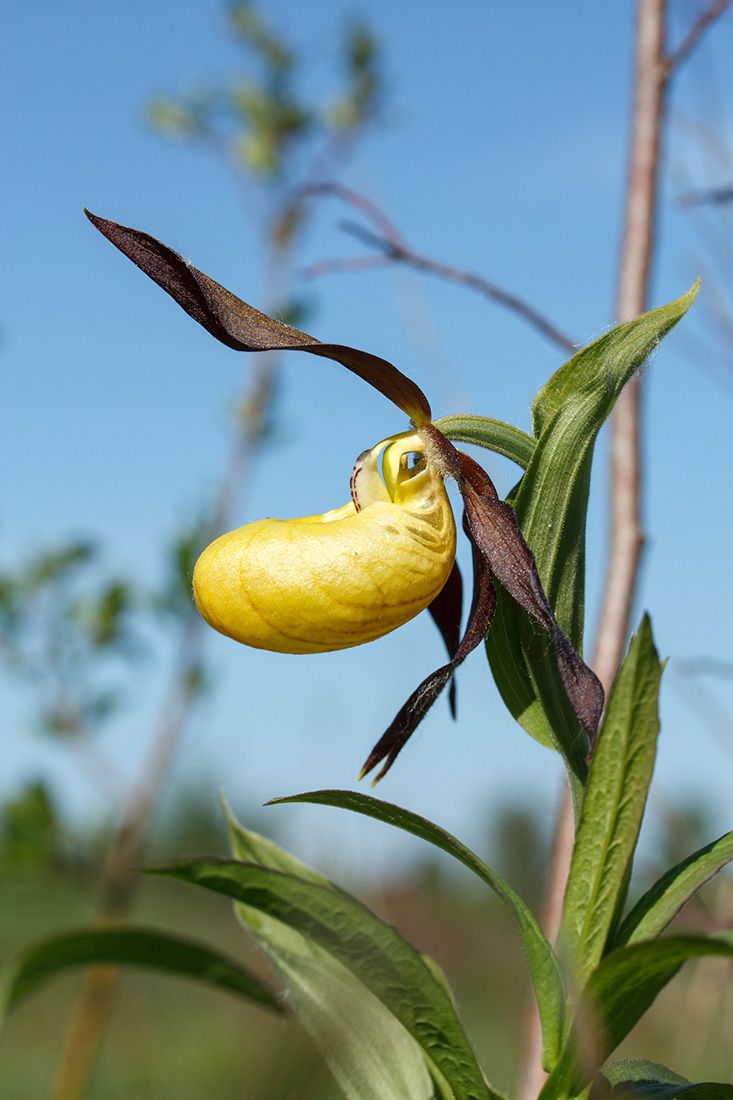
{"x":360,"y":571}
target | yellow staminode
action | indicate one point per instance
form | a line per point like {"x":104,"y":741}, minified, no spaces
{"x":343,"y":578}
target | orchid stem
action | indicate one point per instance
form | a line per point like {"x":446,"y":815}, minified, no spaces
{"x":653,"y":69}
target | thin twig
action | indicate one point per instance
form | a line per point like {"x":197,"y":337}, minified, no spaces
{"x":349,"y":265}
{"x":391,"y":248}
{"x":334,"y":189}
{"x":690,"y":683}
{"x":715,"y":196}
{"x":81,"y":1040}
{"x":707,"y":16}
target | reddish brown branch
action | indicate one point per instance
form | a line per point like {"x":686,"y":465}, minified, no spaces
{"x":391,"y":248}
{"x":652,"y":72}
{"x":637,"y":250}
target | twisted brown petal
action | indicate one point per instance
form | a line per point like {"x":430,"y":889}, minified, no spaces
{"x":244,"y":328}
{"x":421,"y":700}
{"x":495,"y":531}
{"x":446,"y":611}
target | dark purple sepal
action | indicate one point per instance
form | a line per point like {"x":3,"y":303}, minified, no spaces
{"x":421,"y":700}
{"x":496,"y":532}
{"x":240,"y":326}
{"x":446,"y":610}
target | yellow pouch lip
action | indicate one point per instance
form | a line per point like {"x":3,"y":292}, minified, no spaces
{"x":342,"y":578}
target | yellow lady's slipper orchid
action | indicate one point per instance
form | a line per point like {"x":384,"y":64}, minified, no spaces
{"x":358,"y":572}
{"x":343,"y":578}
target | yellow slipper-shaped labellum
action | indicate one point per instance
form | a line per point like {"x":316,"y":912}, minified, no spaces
{"x":343,"y":578}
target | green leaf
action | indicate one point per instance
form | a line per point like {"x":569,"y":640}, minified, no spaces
{"x":127,"y":946}
{"x":654,"y":1090}
{"x":613,"y":808}
{"x":618,"y":994}
{"x":638,"y":1079}
{"x":641,"y":1069}
{"x":541,"y":959}
{"x":332,"y":1003}
{"x":623,"y":350}
{"x":663,"y":901}
{"x":707,"y":1090}
{"x":369,"y":1052}
{"x":551,"y":504}
{"x":370,"y":950}
{"x":497,"y":436}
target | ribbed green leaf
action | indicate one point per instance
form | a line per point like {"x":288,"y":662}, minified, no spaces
{"x":497,"y":436}
{"x":638,"y":1079}
{"x":641,"y":1069}
{"x":617,"y":995}
{"x":663,"y":901}
{"x":370,"y":1054}
{"x":542,"y":961}
{"x":551,"y":504}
{"x":613,"y":808}
{"x":126,"y":946}
{"x":370,"y":950}
{"x":386,"y":1063}
{"x":622,"y":351}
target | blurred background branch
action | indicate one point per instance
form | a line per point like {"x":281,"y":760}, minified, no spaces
{"x":391,"y":248}
{"x":262,"y":127}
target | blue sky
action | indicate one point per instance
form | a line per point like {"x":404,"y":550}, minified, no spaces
{"x":502,"y":150}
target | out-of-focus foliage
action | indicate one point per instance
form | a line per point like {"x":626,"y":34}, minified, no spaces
{"x":30,"y":831}
{"x":67,"y":633}
{"x":262,"y":123}
{"x":175,"y":596}
{"x":522,"y":851}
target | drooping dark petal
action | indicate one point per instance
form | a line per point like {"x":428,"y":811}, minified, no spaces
{"x":496,"y":532}
{"x":244,"y":328}
{"x":446,"y":611}
{"x":421,"y":700}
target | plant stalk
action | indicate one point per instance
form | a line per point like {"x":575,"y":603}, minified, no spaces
{"x":626,"y":534}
